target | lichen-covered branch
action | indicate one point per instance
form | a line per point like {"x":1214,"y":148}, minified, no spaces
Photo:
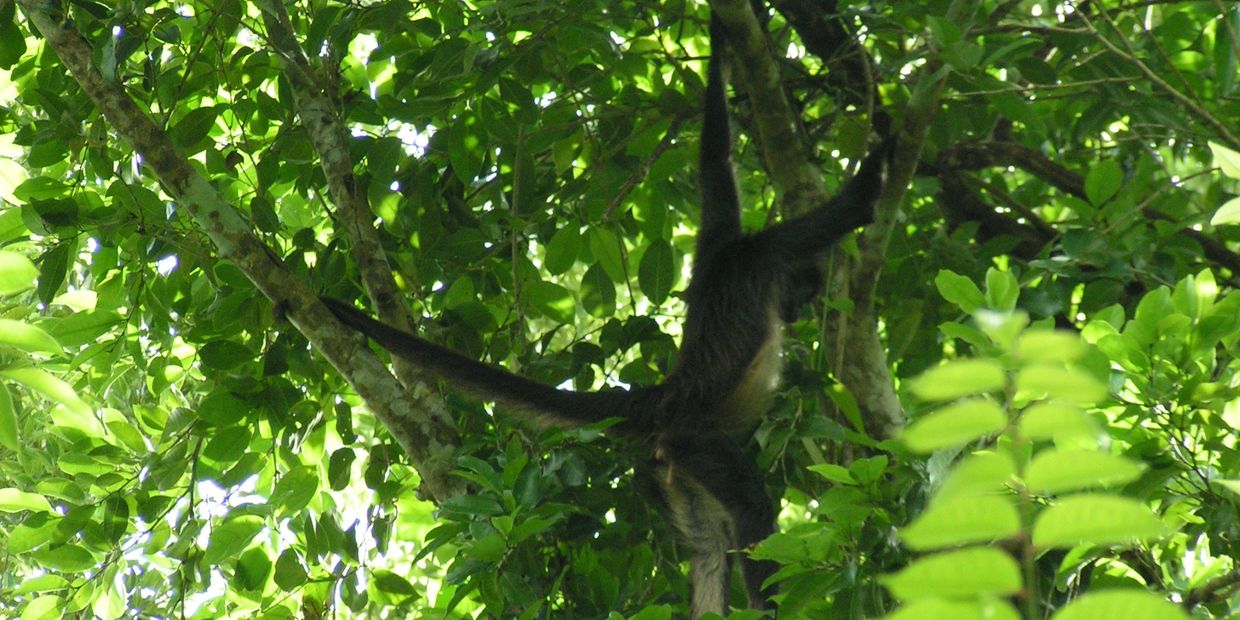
{"x":321,"y":119}
{"x":236,"y":242}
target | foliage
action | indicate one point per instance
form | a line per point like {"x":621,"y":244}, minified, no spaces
{"x":167,"y":449}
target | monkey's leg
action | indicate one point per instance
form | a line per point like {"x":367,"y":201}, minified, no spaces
{"x":716,"y":465}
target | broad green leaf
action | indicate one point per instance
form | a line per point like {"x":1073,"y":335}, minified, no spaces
{"x":47,"y":607}
{"x":17,"y":273}
{"x":962,"y":520}
{"x":954,"y":424}
{"x":1226,"y":159}
{"x":1059,"y":382}
{"x":49,"y":386}
{"x":978,"y":571}
{"x":982,"y":473}
{"x":231,"y":538}
{"x":959,"y":290}
{"x":943,"y":609}
{"x":69,"y":558}
{"x":1059,"y":421}
{"x":834,"y":473}
{"x":290,"y":574}
{"x":8,"y":421}
{"x":605,"y":248}
{"x":192,"y":128}
{"x":1103,"y":180}
{"x":562,"y":250}
{"x":14,"y":500}
{"x":253,"y":568}
{"x":1058,"y":470}
{"x":294,"y":490}
{"x":1045,"y":345}
{"x":552,"y":300}
{"x":1229,"y":213}
{"x":598,"y":293}
{"x":656,"y":274}
{"x":27,"y":337}
{"x":1002,"y":289}
{"x":1126,"y":604}
{"x":224,"y":354}
{"x":1095,"y":519}
{"x":959,"y":378}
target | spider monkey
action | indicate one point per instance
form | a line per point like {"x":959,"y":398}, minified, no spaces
{"x":696,"y":421}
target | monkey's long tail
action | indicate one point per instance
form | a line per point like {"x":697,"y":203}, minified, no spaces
{"x":534,"y":401}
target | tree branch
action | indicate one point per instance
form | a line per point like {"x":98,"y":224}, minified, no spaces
{"x":321,"y":119}
{"x":237,"y":243}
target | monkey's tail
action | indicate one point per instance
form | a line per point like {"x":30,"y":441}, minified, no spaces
{"x":533,"y":401}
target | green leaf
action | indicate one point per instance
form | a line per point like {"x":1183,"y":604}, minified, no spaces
{"x":656,"y":274}
{"x":1229,"y":213}
{"x":49,"y":386}
{"x":962,"y":520}
{"x":224,"y":354}
{"x":959,"y":290}
{"x":957,"y":574}
{"x":1058,"y":421}
{"x":69,"y":558}
{"x":834,"y":473}
{"x":8,"y":421}
{"x":982,"y":473}
{"x":1230,"y":485}
{"x":562,"y":250}
{"x":17,"y":273}
{"x":27,"y":337}
{"x":954,"y":424}
{"x":290,"y":574}
{"x":294,"y":490}
{"x":340,"y":468}
{"x":1058,"y":470}
{"x":1095,"y":519}
{"x":941,"y":609}
{"x":231,"y":537}
{"x":253,"y":568}
{"x":1226,"y":159}
{"x":391,"y":583}
{"x":14,"y":500}
{"x":605,"y":248}
{"x":959,"y":378}
{"x":1127,"y":604}
{"x":1049,"y":345}
{"x":1002,"y":289}
{"x":1062,"y":383}
{"x":193,"y":128}
{"x":552,"y":300}
{"x":1103,"y":180}
{"x":47,"y":607}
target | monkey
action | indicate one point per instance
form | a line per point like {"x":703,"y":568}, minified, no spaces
{"x":694,"y":423}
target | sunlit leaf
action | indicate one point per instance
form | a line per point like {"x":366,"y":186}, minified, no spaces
{"x":49,"y":386}
{"x":954,"y":424}
{"x":14,"y":500}
{"x":962,"y":520}
{"x":1128,"y":604}
{"x":1058,"y":382}
{"x":979,"y":474}
{"x":959,"y":290}
{"x":1058,"y":470}
{"x":231,"y":537}
{"x":1053,"y":420}
{"x":17,"y":273}
{"x":1226,"y":159}
{"x":979,"y":571}
{"x":943,"y":608}
{"x":959,"y":378}
{"x":1095,"y":519}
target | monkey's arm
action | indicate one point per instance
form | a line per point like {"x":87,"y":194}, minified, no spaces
{"x":721,"y":211}
{"x":809,"y":235}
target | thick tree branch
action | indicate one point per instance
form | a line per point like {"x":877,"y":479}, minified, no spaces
{"x":237,"y":243}
{"x":321,"y":119}
{"x":979,"y":155}
{"x":784,"y":156}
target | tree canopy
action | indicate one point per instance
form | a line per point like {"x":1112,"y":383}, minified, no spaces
{"x":1019,"y":397}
